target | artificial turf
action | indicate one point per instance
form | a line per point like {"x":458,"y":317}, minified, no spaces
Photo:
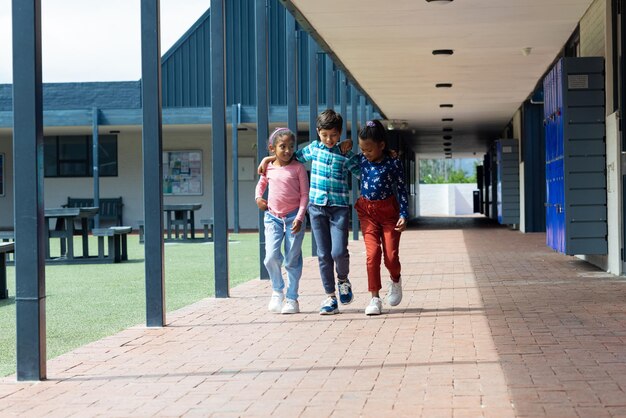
{"x":86,"y":302}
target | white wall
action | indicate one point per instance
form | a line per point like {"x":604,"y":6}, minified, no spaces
{"x":128,"y":183}
{"x":446,"y":199}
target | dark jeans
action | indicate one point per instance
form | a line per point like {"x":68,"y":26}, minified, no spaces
{"x":330,"y":229}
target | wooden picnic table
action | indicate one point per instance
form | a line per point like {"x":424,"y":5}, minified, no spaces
{"x":181,"y":214}
{"x":64,"y":229}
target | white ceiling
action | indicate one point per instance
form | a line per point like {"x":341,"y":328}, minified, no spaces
{"x":387,"y":47}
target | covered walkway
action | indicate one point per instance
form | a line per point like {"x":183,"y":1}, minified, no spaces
{"x":492,"y":324}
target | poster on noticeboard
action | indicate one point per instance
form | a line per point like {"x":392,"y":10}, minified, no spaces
{"x":182,"y":173}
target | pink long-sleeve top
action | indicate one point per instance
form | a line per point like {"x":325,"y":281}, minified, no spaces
{"x":289,"y":189}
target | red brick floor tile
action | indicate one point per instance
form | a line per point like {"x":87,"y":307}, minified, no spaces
{"x":492,"y":324}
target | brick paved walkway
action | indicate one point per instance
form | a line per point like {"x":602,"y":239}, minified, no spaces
{"x":492,"y":324}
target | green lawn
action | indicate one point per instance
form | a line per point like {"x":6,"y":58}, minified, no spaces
{"x":86,"y":302}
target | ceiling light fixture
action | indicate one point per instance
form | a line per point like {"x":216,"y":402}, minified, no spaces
{"x":446,"y":105}
{"x":526,"y":51}
{"x":447,"y":129}
{"x":443,"y":85}
{"x":439,"y":1}
{"x":447,"y":119}
{"x":447,"y":144}
{"x":443,"y":52}
{"x":447,"y":137}
{"x":447,"y":149}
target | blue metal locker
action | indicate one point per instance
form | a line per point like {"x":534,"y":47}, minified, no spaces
{"x":575,"y":156}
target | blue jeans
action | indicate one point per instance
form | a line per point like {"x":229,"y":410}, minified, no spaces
{"x":330,"y":228}
{"x":277,"y":229}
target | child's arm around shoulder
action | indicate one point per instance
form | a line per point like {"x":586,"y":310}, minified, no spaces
{"x":353,"y":163}
{"x":262,"y":168}
{"x":305,"y":154}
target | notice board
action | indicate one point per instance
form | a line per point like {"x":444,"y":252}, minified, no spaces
{"x":182,"y":172}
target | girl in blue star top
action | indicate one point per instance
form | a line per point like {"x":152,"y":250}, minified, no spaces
{"x":382,"y":215}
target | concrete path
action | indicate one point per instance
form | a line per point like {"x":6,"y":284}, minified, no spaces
{"x":493,"y":324}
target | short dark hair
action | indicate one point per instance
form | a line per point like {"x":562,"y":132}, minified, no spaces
{"x":329,"y":119}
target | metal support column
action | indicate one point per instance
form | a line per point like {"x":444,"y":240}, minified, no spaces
{"x":313,"y":57}
{"x":236,"y":109}
{"x":262,"y":110}
{"x":30,"y":295}
{"x":292,"y":71}
{"x":152,"y":143}
{"x":354,"y":130}
{"x":95,"y":145}
{"x":330,"y":82}
{"x":220,"y":175}
{"x":343,"y":104}
{"x":363,"y":107}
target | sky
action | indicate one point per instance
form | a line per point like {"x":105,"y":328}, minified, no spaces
{"x":95,"y":40}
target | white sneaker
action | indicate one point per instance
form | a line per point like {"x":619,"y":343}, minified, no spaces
{"x":394,"y":293}
{"x":276,"y":302}
{"x":290,"y":306}
{"x":375,"y":307}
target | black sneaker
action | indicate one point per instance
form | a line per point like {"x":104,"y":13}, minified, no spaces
{"x":345,"y":291}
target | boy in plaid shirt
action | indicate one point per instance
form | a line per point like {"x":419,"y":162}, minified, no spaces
{"x":329,"y":210}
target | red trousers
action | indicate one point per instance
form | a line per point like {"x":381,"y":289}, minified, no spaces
{"x":378,"y":221}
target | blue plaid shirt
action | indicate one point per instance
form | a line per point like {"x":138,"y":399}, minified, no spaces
{"x":329,"y":173}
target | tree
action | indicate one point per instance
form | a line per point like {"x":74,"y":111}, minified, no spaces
{"x":443,"y":171}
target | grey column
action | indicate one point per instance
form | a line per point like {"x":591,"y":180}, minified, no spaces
{"x":95,"y":163}
{"x":292,"y":71}
{"x":363,"y":107}
{"x":218,"y":114}
{"x":330,"y":83}
{"x":262,"y":110}
{"x":30,"y":295}
{"x":313,"y":57}
{"x":343,"y":104}
{"x":152,"y":143}
{"x":354,"y":130}
{"x":235,"y":123}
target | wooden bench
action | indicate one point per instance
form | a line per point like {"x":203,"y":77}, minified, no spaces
{"x":5,"y":248}
{"x":110,"y":209}
{"x":207,"y":225}
{"x":117,"y":242}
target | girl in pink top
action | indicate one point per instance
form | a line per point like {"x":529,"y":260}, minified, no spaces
{"x":284,"y":219}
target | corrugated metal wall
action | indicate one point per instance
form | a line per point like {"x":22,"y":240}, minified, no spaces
{"x":186,"y":66}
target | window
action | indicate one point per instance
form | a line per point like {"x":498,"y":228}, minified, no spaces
{"x":71,"y":156}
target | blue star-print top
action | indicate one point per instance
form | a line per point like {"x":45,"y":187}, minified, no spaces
{"x":378,"y":180}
